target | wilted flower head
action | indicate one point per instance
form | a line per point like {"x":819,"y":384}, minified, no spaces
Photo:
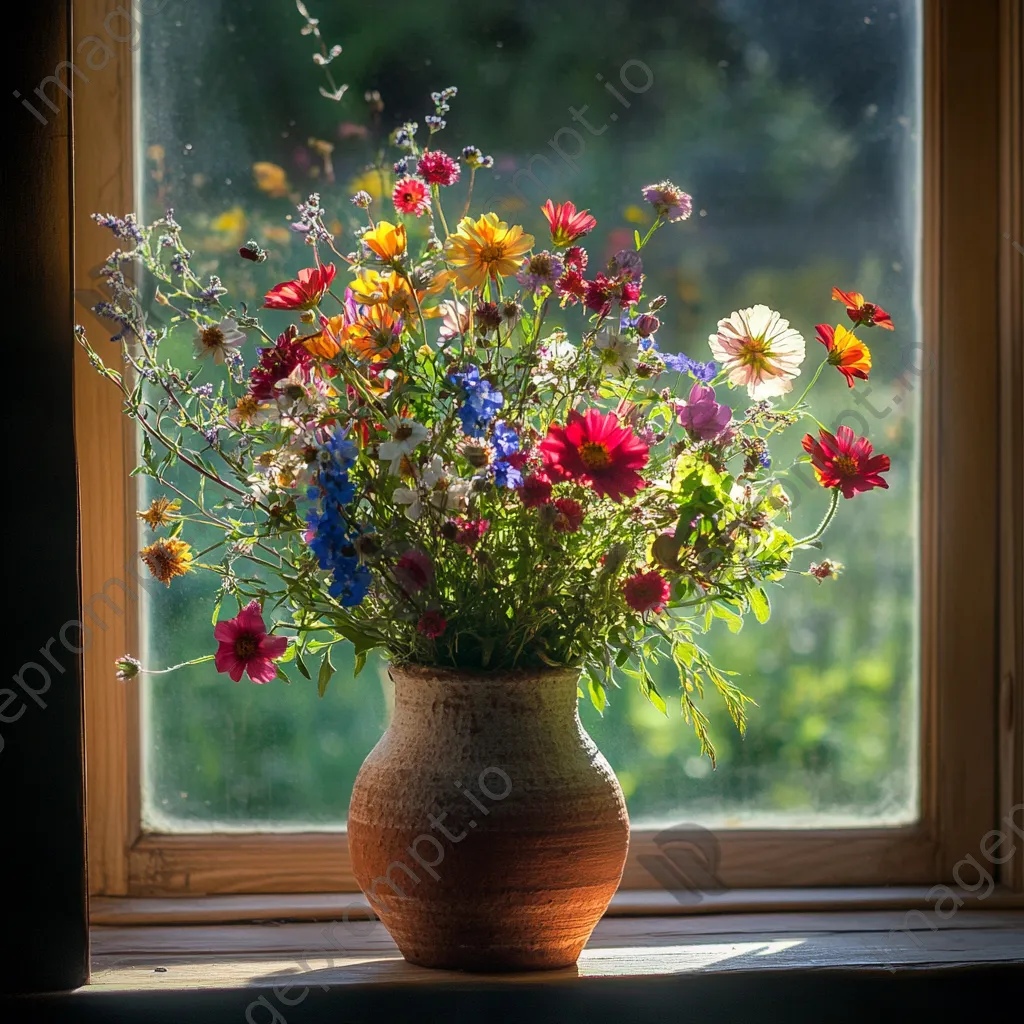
{"x":669,"y":201}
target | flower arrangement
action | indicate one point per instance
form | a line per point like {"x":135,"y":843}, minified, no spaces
{"x":463,"y":445}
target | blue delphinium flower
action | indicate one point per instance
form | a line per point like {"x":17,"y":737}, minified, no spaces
{"x":505,"y":442}
{"x":704,"y":372}
{"x":334,"y":536}
{"x":481,"y":403}
{"x":677,"y":363}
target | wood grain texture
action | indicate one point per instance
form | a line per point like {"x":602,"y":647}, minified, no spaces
{"x":314,"y":954}
{"x":1011,"y":470}
{"x":104,"y":182}
{"x":125,"y":911}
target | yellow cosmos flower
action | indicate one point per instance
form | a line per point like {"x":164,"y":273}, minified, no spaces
{"x":325,"y":343}
{"x":168,"y":557}
{"x":386,"y":241}
{"x":372,"y":288}
{"x":270,"y":178}
{"x":377,"y":183}
{"x":485,"y":248}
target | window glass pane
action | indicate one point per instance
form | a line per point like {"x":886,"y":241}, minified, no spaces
{"x":796,"y":127}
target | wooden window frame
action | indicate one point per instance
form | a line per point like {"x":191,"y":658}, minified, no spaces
{"x":971,"y":708}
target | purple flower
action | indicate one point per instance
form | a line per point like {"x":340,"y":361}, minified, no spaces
{"x":704,"y":372}
{"x":541,"y":270}
{"x":669,"y":201}
{"x":626,"y":263}
{"x":701,"y":415}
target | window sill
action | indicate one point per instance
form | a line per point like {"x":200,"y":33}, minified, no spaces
{"x":872,"y":964}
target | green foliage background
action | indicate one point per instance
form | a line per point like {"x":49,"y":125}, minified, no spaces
{"x":796,"y":128}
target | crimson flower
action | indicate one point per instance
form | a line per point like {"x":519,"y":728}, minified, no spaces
{"x":595,"y":449}
{"x":432,"y":624}
{"x":536,"y":490}
{"x":304,"y":292}
{"x":437,"y":168}
{"x":414,"y":571}
{"x":245,"y":646}
{"x":647,"y":592}
{"x":567,"y":223}
{"x":411,"y":195}
{"x":845,"y":461}
{"x":603,"y":290}
{"x":277,"y":362}
{"x":570,"y":515}
{"x":863,"y":314}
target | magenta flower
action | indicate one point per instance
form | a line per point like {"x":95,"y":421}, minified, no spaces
{"x":701,"y":415}
{"x":246,"y":646}
{"x":414,"y":571}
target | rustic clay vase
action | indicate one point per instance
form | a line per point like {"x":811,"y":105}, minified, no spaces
{"x":486,"y":828}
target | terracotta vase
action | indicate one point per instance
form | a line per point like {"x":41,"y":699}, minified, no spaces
{"x":486,"y":828}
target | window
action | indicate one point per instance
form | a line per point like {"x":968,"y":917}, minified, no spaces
{"x":812,"y":141}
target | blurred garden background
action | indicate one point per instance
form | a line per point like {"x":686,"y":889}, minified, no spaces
{"x":795,"y":124}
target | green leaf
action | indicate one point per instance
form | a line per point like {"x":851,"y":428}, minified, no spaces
{"x":281,"y":675}
{"x":729,"y":617}
{"x":325,"y":673}
{"x":597,"y":692}
{"x":360,"y":663}
{"x":650,"y":691}
{"x":760,"y":605}
{"x":216,"y":607}
{"x":301,"y":664}
{"x":289,"y":653}
{"x":636,"y":238}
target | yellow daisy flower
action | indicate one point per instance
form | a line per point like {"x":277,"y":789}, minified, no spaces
{"x":168,"y":557}
{"x":485,"y":248}
{"x":161,"y":512}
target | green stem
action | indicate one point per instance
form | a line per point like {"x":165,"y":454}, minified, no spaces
{"x":829,"y":516}
{"x":174,"y":668}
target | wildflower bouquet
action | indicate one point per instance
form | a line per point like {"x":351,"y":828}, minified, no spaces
{"x":463,"y":445}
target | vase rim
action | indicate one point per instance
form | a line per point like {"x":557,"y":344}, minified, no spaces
{"x":484,"y":677}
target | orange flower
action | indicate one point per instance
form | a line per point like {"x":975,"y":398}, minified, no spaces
{"x":386,"y":241}
{"x":372,"y":288}
{"x":325,"y":343}
{"x":863,"y":314}
{"x":846,"y":352}
{"x":167,"y":557}
{"x":485,"y":248}
{"x":375,"y":335}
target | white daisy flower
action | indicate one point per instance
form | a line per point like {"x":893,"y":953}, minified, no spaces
{"x":222,"y":341}
{"x":618,"y":353}
{"x":406,"y":435}
{"x":759,"y":350}
{"x":557,"y":357}
{"x":412,"y":497}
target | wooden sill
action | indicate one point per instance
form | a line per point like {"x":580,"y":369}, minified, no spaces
{"x":119,"y":911}
{"x":877,"y":965}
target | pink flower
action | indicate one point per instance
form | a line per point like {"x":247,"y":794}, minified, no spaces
{"x":432,"y":624}
{"x":437,"y":168}
{"x":414,"y":571}
{"x":702,"y":416}
{"x":411,"y":195}
{"x":567,"y":223}
{"x":245,"y":646}
{"x":470,"y":531}
{"x":646,"y":592}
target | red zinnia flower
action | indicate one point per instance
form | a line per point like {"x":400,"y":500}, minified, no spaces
{"x":411,"y":195}
{"x":597,"y":450}
{"x":602,"y":290}
{"x":432,"y":624}
{"x":863,"y":314}
{"x":566,"y":223}
{"x":438,"y":168}
{"x":245,"y":646}
{"x":304,"y":292}
{"x":647,"y":592}
{"x":468,"y":532}
{"x":570,"y":515}
{"x":571,"y":287}
{"x":536,"y":490}
{"x":414,"y":571}
{"x":576,"y":258}
{"x":845,"y":461}
{"x":846,"y":352}
{"x":277,"y":362}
